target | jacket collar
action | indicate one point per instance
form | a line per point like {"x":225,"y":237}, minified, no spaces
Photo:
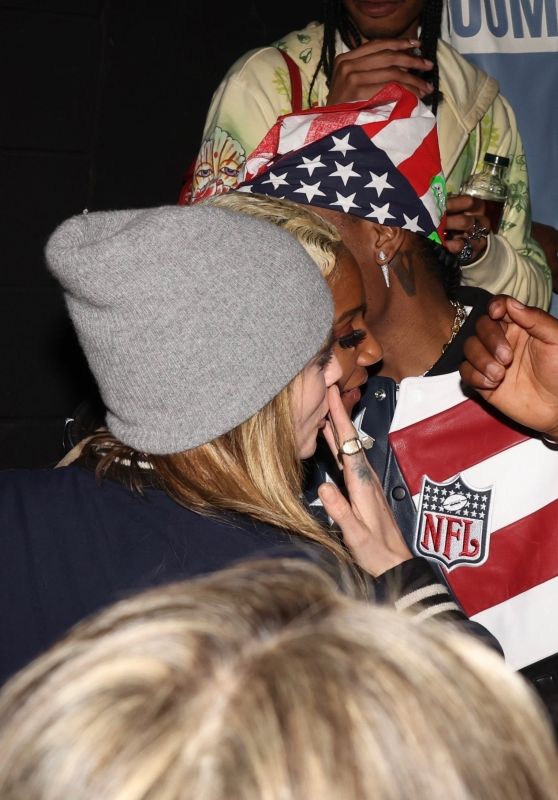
{"x":478,"y":300}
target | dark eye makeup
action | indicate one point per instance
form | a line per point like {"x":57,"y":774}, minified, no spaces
{"x":352,"y":339}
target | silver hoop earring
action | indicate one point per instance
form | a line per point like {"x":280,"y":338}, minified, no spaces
{"x":384,"y":267}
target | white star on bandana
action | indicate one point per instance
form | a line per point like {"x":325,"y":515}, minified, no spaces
{"x":412,"y":224}
{"x":344,"y":172}
{"x":310,"y":190}
{"x":277,"y":180}
{"x":379,"y":183}
{"x":363,"y":154}
{"x":310,"y":164}
{"x":341,"y":145}
{"x":381,"y":213}
{"x":346,"y":203}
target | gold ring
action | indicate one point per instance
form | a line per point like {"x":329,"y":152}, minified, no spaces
{"x":350,"y":447}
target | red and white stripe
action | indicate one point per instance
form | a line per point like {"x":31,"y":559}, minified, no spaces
{"x":392,"y":117}
{"x":294,"y":131}
{"x":438,"y":432}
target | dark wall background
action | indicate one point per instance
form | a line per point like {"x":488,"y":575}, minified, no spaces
{"x":102,"y":104}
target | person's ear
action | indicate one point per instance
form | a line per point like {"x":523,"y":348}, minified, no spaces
{"x":388,"y":243}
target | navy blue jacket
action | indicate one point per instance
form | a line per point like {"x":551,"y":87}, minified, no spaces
{"x":71,"y":546}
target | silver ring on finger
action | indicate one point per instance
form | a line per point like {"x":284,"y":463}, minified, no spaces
{"x":478,"y":231}
{"x":350,"y":447}
{"x":466,"y":252}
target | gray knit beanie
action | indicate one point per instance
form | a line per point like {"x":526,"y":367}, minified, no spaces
{"x":192,"y":319}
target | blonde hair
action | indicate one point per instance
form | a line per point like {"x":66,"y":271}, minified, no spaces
{"x":321,"y":240}
{"x":253,"y":469}
{"x":262,"y":682}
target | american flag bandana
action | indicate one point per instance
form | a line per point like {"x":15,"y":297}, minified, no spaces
{"x":378,"y":159}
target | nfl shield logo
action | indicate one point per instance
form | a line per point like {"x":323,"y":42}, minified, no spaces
{"x":452,"y":523}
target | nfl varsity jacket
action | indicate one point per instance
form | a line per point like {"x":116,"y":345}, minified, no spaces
{"x":474,"y":494}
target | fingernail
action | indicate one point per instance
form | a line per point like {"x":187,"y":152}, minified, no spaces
{"x":430,"y":86}
{"x":503,"y":354}
{"x":494,"y":372}
{"x":414,"y":42}
{"x":428,"y":63}
{"x":517,"y":304}
{"x":326,"y":492}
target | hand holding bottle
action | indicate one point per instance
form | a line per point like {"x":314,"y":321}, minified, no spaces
{"x":466,"y":217}
{"x":477,"y":210}
{"x":489,"y":186}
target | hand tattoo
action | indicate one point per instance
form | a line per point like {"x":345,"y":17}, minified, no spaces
{"x":360,"y":466}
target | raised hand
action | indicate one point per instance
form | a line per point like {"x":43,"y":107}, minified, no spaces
{"x":369,"y":529}
{"x":362,"y":72}
{"x":512,"y":362}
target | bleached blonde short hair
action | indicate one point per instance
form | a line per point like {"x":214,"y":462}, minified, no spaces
{"x":263,"y":682}
{"x":321,"y":240}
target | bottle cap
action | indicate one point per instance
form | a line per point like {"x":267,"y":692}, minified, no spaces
{"x":499,"y":161}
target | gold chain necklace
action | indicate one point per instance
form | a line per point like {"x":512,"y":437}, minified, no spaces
{"x":458,"y":320}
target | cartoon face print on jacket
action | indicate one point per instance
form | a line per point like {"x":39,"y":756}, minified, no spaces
{"x":217,"y":166}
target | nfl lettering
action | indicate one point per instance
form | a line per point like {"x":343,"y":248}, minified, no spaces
{"x":452,"y":523}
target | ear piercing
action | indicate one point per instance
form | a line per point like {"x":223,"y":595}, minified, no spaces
{"x":384,"y":267}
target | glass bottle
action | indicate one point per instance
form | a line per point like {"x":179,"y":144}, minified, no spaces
{"x":489,"y":185}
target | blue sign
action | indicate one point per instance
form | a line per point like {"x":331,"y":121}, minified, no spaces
{"x":516,"y":41}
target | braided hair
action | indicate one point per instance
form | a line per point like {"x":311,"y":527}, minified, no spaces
{"x":431,"y":25}
{"x":337,"y":20}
